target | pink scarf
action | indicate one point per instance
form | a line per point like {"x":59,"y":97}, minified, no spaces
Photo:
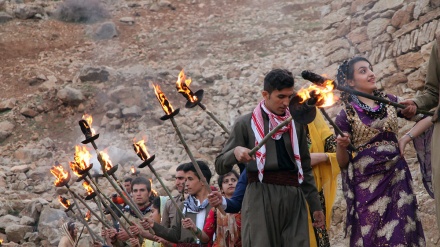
{"x":257,"y":124}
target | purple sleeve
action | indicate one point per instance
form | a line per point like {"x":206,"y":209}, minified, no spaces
{"x":342,"y":122}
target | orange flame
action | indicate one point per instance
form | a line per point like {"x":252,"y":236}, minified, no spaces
{"x":166,"y":106}
{"x":88,"y":215}
{"x":106,"y":159}
{"x":182,"y":85}
{"x":60,"y":174}
{"x":133,"y":170}
{"x":1,"y":241}
{"x":82,"y":159}
{"x":141,"y":149}
{"x":88,"y":188}
{"x":89,"y":121}
{"x":323,"y":94}
{"x":153,"y":191}
{"x":66,"y":203}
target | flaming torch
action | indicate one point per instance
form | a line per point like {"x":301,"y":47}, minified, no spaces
{"x":81,"y":168}
{"x":141,"y":151}
{"x":169,"y":114}
{"x":62,"y":179}
{"x":193,"y":99}
{"x":1,"y":241}
{"x":134,"y":172}
{"x":321,"y":96}
{"x":323,"y":82}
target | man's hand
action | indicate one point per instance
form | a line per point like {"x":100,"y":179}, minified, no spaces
{"x":187,"y":223}
{"x":215,"y":199}
{"x":134,"y":242}
{"x":134,"y":230}
{"x":122,"y":235}
{"x":242,"y":154}
{"x":410,"y":110}
{"x":318,"y":219}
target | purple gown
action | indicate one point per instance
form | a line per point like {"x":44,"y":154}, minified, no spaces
{"x":377,"y":185}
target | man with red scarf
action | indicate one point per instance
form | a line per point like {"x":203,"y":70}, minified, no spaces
{"x":280,"y":178}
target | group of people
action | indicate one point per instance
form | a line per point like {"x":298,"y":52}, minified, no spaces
{"x":284,"y":193}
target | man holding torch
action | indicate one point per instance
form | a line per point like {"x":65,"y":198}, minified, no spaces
{"x":195,"y":209}
{"x":141,"y":189}
{"x":429,"y":99}
{"x":280,"y":178}
{"x":169,"y":213}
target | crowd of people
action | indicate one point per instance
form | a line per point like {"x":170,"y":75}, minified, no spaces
{"x":284,"y":194}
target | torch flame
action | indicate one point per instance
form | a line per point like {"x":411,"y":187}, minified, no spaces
{"x":60,"y":174}
{"x":133,"y":170}
{"x":166,"y":106}
{"x":323,"y":94}
{"x":64,"y":201}
{"x":106,"y":159}
{"x":82,"y":159}
{"x":1,"y":241}
{"x":88,"y":188}
{"x":141,"y":149}
{"x":182,"y":85}
{"x":153,"y":191}
{"x":89,"y":121}
{"x":88,"y":215}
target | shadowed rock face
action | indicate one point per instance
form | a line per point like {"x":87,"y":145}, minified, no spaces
{"x":56,"y":71}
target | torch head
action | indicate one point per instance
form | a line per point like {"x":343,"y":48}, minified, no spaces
{"x":313,"y":77}
{"x":303,"y":113}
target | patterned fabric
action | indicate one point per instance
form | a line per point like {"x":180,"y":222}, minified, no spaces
{"x":191,"y":205}
{"x":257,"y":124}
{"x":226,"y":227}
{"x":381,"y":205}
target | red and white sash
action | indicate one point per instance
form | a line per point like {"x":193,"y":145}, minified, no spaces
{"x":257,"y":124}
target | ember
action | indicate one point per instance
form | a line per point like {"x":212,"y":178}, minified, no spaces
{"x":88,"y":188}
{"x":82,"y":158}
{"x":64,"y":201}
{"x":141,"y":149}
{"x":62,"y":176}
{"x":182,"y":85}
{"x":88,"y":216}
{"x":166,"y":106}
{"x":88,"y":118}
{"x":106,"y":159}
{"x":323,"y":94}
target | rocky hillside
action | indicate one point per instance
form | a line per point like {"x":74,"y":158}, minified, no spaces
{"x":53,"y":72}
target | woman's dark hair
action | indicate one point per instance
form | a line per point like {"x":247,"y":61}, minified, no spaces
{"x":346,"y":72}
{"x":278,"y":79}
{"x":156,"y":203}
{"x":221,"y":177}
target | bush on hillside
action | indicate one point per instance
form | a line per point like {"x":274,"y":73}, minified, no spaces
{"x":81,"y":11}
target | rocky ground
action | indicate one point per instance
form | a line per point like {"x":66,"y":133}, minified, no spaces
{"x":52,"y":72}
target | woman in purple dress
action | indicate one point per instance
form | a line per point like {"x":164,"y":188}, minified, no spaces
{"x":377,"y":184}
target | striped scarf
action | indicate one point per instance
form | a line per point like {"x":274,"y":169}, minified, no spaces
{"x":257,"y":124}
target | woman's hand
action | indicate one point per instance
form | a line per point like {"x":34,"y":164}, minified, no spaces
{"x":403,"y":141}
{"x":343,"y":141}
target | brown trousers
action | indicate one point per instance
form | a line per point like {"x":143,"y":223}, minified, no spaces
{"x":274,"y":216}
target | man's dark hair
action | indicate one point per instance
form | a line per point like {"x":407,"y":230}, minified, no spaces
{"x":128,"y":180}
{"x":141,"y":180}
{"x":203,"y":167}
{"x":221,"y":177}
{"x":180,"y":167}
{"x":278,"y":79}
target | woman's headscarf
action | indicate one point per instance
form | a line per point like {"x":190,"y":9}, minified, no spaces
{"x":67,"y":228}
